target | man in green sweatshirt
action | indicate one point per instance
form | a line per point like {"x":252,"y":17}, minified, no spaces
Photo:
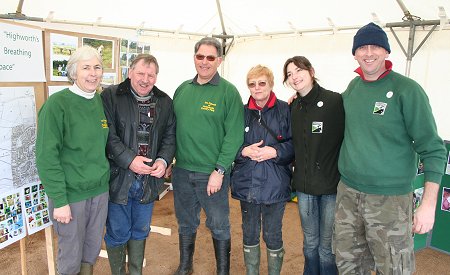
{"x":210,"y":130}
{"x":388,"y":123}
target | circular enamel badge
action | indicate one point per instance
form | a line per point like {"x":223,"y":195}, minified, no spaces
{"x":389,"y":94}
{"x":320,"y":104}
{"x":246,"y":129}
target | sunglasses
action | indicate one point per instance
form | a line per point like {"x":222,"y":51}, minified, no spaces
{"x":259,"y":83}
{"x":208,"y":57}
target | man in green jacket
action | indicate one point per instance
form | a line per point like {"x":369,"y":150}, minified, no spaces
{"x":210,"y":130}
{"x":388,"y":122}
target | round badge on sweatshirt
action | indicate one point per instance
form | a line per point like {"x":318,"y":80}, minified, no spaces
{"x":389,"y":94}
{"x":246,"y":129}
{"x":320,"y":104}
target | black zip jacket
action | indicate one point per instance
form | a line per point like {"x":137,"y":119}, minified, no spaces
{"x":317,"y":121}
{"x":121,"y":110}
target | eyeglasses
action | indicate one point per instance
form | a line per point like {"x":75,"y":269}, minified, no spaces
{"x":259,"y":83}
{"x":208,"y":57}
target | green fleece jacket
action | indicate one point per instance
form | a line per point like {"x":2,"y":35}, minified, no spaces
{"x":210,"y":124}
{"x":388,"y":123}
{"x":70,"y":148}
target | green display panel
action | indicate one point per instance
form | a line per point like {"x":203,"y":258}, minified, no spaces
{"x":440,"y":238}
{"x":420,"y":240}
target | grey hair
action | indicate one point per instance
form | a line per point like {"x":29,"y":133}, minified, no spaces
{"x":147,"y":59}
{"x":82,"y":53}
{"x":211,"y":42}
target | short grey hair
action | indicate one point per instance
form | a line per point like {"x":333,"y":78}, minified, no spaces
{"x":147,"y":60}
{"x":82,"y":53}
{"x":211,"y":42}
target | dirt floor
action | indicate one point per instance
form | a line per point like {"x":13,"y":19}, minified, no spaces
{"x":162,"y":251}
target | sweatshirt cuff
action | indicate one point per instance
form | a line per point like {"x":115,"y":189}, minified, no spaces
{"x":433,"y":177}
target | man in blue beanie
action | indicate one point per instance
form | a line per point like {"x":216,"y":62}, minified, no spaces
{"x":388,"y":122}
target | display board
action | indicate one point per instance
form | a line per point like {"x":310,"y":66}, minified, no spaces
{"x":17,"y":164}
{"x":420,"y":240}
{"x":129,"y":49}
{"x":440,"y":238}
{"x":22,"y":77}
{"x":58,"y":47}
{"x":21,"y":55}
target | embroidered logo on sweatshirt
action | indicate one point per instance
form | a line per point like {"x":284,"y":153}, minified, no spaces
{"x":209,"y":106}
{"x":379,"y":108}
{"x":317,"y":127}
{"x":104,"y":123}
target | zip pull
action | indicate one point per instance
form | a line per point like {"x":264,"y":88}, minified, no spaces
{"x":259,"y":120}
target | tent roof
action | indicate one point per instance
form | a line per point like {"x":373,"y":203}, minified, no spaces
{"x":232,"y":17}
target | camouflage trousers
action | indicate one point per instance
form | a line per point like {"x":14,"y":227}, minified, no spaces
{"x":373,"y":233}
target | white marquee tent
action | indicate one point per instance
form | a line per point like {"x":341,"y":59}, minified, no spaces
{"x":265,"y":32}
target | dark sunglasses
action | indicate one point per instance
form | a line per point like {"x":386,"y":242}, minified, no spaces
{"x":208,"y":57}
{"x":260,"y":84}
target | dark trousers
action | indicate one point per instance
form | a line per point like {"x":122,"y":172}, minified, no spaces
{"x":271,"y":216}
{"x":189,"y":190}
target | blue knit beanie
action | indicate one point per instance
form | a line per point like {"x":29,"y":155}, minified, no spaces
{"x":370,"y":34}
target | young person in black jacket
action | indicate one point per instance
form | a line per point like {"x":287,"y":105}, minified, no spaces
{"x":317,"y":119}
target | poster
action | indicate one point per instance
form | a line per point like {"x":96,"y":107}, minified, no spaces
{"x":445,"y":202}
{"x":129,"y":50}
{"x":36,"y":207}
{"x":12,"y":226}
{"x":17,"y":158}
{"x":108,"y":79}
{"x":105,"y":49}
{"x":22,"y":54}
{"x":17,"y":138}
{"x":61,"y":48}
{"x":420,"y":167}
{"x":417,"y":197}
{"x":447,"y":171}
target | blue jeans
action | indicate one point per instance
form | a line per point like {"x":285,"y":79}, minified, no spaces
{"x":272,"y":220}
{"x":130,"y":221}
{"x":317,"y":217}
{"x":189,"y":190}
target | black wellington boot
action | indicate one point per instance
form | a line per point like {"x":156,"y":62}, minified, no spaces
{"x":187,"y":247}
{"x":222,"y":249}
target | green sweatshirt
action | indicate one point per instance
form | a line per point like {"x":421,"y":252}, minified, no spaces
{"x":387,"y":123}
{"x":70,"y":148}
{"x":210,"y":125}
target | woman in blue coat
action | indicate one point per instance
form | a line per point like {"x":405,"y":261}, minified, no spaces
{"x":261,"y":174}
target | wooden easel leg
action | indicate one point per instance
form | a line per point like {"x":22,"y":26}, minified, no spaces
{"x":23,"y":256}
{"x":50,"y":250}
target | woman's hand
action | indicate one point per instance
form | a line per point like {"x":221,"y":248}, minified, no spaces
{"x":62,"y":214}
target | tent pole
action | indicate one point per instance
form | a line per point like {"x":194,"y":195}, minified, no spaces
{"x":410,"y":53}
{"x":412,"y":35}
{"x":19,"y":7}
{"x":405,"y":10}
{"x":219,"y":10}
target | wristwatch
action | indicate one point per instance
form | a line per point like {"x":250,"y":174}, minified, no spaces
{"x":219,"y":170}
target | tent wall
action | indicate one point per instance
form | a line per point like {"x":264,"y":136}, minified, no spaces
{"x":334,"y":64}
{"x":330,"y":54}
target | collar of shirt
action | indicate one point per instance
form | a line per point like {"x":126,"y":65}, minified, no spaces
{"x":269,"y":104}
{"x":311,"y":96}
{"x":76,"y":90}
{"x":214,"y":81}
{"x":388,"y":66}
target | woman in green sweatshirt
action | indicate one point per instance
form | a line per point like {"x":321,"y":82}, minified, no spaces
{"x":72,"y":165}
